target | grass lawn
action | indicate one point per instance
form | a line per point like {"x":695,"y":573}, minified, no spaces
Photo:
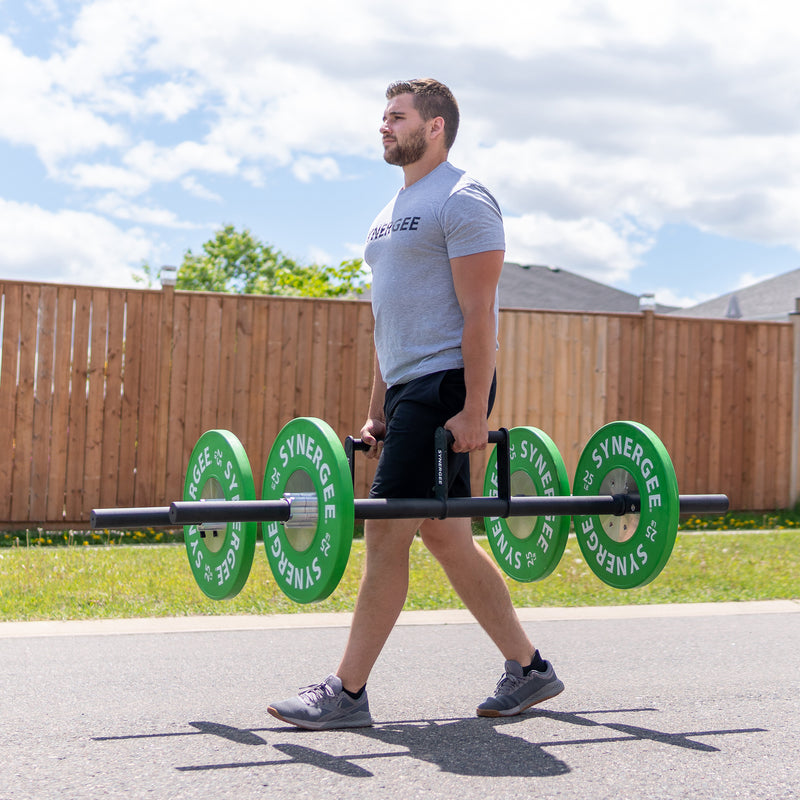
{"x":134,"y":581}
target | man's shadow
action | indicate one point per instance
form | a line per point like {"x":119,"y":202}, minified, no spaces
{"x":471,"y":746}
{"x":468,"y":746}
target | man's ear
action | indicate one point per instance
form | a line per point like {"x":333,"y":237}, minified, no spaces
{"x":437,"y":127}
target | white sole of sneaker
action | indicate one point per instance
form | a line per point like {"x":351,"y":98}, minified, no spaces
{"x":358,"y":722}
{"x":512,"y":712}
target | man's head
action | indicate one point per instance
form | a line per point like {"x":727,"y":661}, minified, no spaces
{"x":431,"y":99}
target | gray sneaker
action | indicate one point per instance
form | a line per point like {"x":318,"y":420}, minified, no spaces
{"x":515,"y":692}
{"x":324,"y":706}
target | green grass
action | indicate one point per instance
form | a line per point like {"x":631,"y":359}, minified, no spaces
{"x":119,"y":581}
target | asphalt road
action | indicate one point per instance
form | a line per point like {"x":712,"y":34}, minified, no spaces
{"x":660,"y":702}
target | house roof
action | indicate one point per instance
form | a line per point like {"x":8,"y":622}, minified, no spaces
{"x":772,"y":299}
{"x":552,"y":288}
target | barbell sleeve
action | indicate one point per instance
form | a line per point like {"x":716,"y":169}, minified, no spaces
{"x":152,"y":517}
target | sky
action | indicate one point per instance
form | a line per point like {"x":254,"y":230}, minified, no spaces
{"x":653,"y":146}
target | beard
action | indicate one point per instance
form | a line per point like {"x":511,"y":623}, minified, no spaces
{"x":402,"y":154}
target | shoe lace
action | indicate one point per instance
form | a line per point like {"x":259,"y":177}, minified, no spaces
{"x":315,"y":692}
{"x":507,"y":684}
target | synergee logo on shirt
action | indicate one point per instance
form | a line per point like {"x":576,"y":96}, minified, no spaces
{"x":401,"y":224}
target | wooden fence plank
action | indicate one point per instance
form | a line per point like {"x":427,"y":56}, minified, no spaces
{"x":349,"y":368}
{"x":165,"y":344}
{"x":212,"y":357}
{"x":131,"y":382}
{"x":703,"y":359}
{"x":561,"y":388}
{"x":614,"y":377}
{"x":740,"y":379}
{"x":23,"y":429}
{"x":319,"y":367}
{"x":193,"y":414}
{"x":43,"y":402}
{"x":533,"y":370}
{"x":267,"y":413}
{"x":601,"y":393}
{"x":762,"y":399}
{"x":76,"y":451}
{"x":509,"y":353}
{"x":112,"y":409}
{"x":242,"y":368}
{"x":781,"y":435}
{"x":12,"y":320}
{"x":177,"y":458}
{"x":149,"y":374}
{"x":709,"y":454}
{"x":95,"y":398}
{"x":227,"y":362}
{"x":59,"y":435}
{"x":522,"y":413}
{"x":303,"y":361}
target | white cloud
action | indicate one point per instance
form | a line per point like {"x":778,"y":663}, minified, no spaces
{"x":120,"y":208}
{"x":305,"y":169}
{"x":39,"y":114}
{"x":595,"y":122}
{"x":587,"y":245}
{"x":669,"y":297}
{"x":751,"y":279}
{"x":191,"y":185}
{"x":68,"y":246}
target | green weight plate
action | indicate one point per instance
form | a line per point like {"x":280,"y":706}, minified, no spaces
{"x":529,"y":548}
{"x":220,"y":559}
{"x":627,"y":458}
{"x":308,"y":459}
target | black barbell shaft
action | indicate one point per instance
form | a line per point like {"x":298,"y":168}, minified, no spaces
{"x":190,"y":513}
{"x":210,"y":511}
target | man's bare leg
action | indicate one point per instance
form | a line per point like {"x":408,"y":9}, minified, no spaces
{"x":479,"y":583}
{"x":381,"y":596}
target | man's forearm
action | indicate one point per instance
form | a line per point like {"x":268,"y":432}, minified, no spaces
{"x":479,"y":351}
{"x":378,"y":392}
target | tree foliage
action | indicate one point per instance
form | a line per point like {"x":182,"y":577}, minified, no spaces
{"x":236,"y":261}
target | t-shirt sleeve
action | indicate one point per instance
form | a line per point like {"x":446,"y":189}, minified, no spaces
{"x":472,"y":222}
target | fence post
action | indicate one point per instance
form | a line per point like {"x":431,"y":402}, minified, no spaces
{"x":795,"y":318}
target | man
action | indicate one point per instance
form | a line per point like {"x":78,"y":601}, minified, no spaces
{"x":436,"y":252}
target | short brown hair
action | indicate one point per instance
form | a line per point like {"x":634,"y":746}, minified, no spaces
{"x":431,"y":99}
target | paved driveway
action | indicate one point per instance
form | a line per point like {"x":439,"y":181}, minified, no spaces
{"x":661,"y":702}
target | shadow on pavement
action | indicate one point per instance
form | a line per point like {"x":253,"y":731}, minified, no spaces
{"x":470,"y":746}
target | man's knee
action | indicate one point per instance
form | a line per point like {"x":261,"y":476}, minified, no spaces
{"x":448,"y":538}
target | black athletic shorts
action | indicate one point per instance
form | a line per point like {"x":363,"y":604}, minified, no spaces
{"x":414,"y":411}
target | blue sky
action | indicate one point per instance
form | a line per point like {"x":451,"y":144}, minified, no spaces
{"x":652,"y":146}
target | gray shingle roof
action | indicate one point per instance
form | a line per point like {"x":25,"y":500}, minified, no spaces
{"x":551,"y":288}
{"x":772,"y":299}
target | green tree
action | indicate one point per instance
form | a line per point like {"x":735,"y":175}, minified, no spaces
{"x":236,"y":261}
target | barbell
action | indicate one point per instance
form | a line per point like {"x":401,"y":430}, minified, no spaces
{"x":625,"y":506}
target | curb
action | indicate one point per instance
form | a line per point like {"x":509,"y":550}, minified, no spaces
{"x":198,"y":624}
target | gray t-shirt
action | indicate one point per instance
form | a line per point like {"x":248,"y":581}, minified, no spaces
{"x":418,"y":321}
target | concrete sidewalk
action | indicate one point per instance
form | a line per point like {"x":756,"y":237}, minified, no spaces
{"x":11,"y":630}
{"x":688,"y":701}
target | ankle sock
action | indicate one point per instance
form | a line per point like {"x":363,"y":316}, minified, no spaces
{"x":355,"y":695}
{"x":537,"y":665}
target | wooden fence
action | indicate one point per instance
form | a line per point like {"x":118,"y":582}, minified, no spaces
{"x":103,"y":392}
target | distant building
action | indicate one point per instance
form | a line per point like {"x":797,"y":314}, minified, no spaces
{"x":555,"y":289}
{"x":773,"y":299}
